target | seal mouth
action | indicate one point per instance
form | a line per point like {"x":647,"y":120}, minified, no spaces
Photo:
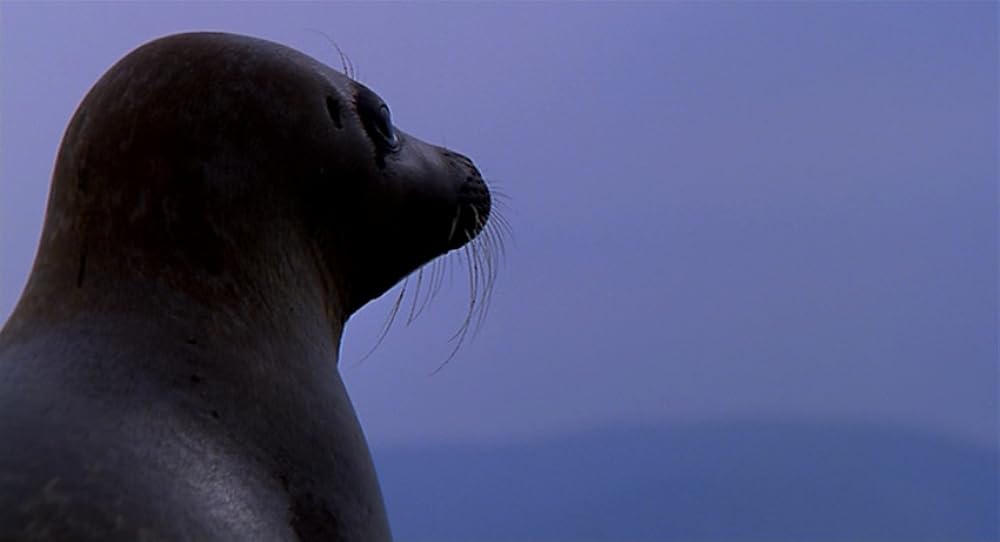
{"x":471,"y":213}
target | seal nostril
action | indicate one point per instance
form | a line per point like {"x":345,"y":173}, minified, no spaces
{"x":333,"y":108}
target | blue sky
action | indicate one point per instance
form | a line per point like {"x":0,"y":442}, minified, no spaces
{"x":721,"y":210}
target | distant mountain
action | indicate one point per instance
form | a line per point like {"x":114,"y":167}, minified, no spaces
{"x":739,"y":481}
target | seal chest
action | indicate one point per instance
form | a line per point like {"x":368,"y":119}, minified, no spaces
{"x":220,"y":206}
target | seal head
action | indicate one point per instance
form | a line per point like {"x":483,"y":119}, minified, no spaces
{"x":220,"y":205}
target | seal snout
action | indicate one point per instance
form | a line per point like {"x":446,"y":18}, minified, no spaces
{"x":472,"y":210}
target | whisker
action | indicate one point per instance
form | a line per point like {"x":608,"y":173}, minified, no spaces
{"x":388,"y":323}
{"x":345,"y":61}
{"x":440,"y":266}
{"x":454,"y":222}
{"x":416,"y":296}
{"x":464,"y":328}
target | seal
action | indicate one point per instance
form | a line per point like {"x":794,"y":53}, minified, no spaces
{"x":220,"y":206}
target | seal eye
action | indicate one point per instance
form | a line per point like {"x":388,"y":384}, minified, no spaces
{"x":375,"y":117}
{"x":383,"y":125}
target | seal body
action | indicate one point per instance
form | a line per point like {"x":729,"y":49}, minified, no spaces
{"x":220,"y":206}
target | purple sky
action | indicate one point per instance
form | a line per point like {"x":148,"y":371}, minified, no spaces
{"x":720,"y":210}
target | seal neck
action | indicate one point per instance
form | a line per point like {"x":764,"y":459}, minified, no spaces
{"x":268,"y":296}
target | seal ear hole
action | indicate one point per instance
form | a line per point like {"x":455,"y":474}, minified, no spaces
{"x":333,"y":108}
